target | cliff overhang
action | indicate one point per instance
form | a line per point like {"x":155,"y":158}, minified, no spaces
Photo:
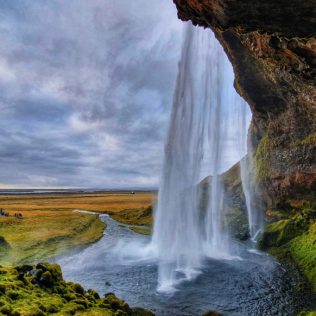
{"x":272,"y":47}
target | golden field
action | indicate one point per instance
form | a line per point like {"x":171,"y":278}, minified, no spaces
{"x":49,"y":226}
{"x":98,"y":202}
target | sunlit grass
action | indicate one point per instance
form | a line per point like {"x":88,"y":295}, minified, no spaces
{"x":38,"y":236}
{"x":49,"y":226}
{"x":98,"y":202}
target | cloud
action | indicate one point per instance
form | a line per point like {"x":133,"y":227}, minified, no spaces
{"x":85,"y":91}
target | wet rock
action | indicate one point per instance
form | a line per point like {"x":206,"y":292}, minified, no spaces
{"x":78,"y":288}
{"x":93,"y":293}
{"x":46,"y":279}
{"x":274,"y":64}
{"x":42,"y":266}
{"x":24,"y":268}
{"x":115,"y":303}
{"x":212,"y":313}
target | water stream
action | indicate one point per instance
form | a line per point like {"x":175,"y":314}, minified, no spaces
{"x":255,"y":286}
{"x":192,"y":261}
{"x":203,"y":132}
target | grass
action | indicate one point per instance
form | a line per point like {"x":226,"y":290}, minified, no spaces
{"x":142,"y":216}
{"x":40,"y":291}
{"x":44,"y":234}
{"x":97,"y":202}
{"x":262,"y":157}
{"x":140,"y":230}
{"x":294,"y":238}
{"x":49,"y":226}
{"x":303,"y":251}
{"x":309,"y":140}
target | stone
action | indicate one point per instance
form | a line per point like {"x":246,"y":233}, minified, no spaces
{"x":275,"y":69}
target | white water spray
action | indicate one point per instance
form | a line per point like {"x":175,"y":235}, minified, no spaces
{"x":255,"y":218}
{"x":247,"y":170}
{"x":198,"y":141}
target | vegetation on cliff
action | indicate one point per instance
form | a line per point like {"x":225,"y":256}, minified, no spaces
{"x":40,"y":290}
{"x":274,"y":66}
{"x":262,"y":159}
{"x":141,"y":216}
{"x":234,"y":208}
{"x":291,"y":236}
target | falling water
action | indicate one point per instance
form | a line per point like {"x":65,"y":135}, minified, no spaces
{"x":255,"y":218}
{"x":198,"y":141}
{"x":247,"y":172}
{"x":177,"y":234}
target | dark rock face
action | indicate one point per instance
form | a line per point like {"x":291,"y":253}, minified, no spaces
{"x":272,"y":47}
{"x":234,"y":204}
{"x":292,"y":18}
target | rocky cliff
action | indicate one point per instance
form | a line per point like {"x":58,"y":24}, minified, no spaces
{"x":272,"y":47}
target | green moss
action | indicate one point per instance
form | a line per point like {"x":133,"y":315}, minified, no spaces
{"x":305,"y":313}
{"x":294,"y":239}
{"x":262,"y":158}
{"x":281,"y":232}
{"x":231,"y":178}
{"x":41,"y":237}
{"x":141,"y":216}
{"x":26,"y":292}
{"x":309,"y":140}
{"x":140,"y":230}
{"x":303,"y":251}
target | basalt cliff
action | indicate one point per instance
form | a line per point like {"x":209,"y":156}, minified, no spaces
{"x":272,"y":47}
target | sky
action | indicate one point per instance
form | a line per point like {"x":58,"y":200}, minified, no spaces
{"x":86,"y":91}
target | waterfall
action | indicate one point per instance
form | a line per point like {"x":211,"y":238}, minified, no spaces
{"x":201,"y":130}
{"x":255,"y":218}
{"x":177,"y":234}
{"x":247,"y":170}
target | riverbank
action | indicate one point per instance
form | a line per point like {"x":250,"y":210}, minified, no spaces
{"x":121,"y":262}
{"x":49,"y":227}
{"x":44,"y":234}
{"x":291,"y":237}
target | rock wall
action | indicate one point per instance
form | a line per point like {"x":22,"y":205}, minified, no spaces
{"x":272,"y":47}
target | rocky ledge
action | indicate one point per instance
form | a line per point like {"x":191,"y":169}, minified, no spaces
{"x":272,"y":47}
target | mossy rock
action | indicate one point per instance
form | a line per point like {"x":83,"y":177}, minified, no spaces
{"x":115,"y":303}
{"x":77,"y":288}
{"x":6,"y":309}
{"x":47,"y":279}
{"x":41,"y":291}
{"x":306,"y":313}
{"x":281,"y":232}
{"x":262,"y":158}
{"x":293,"y":239}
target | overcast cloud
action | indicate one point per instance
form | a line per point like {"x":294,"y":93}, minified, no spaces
{"x":85,"y":91}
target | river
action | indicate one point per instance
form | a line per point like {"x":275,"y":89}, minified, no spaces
{"x":119,"y":262}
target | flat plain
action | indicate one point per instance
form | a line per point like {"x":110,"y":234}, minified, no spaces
{"x":49,"y":227}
